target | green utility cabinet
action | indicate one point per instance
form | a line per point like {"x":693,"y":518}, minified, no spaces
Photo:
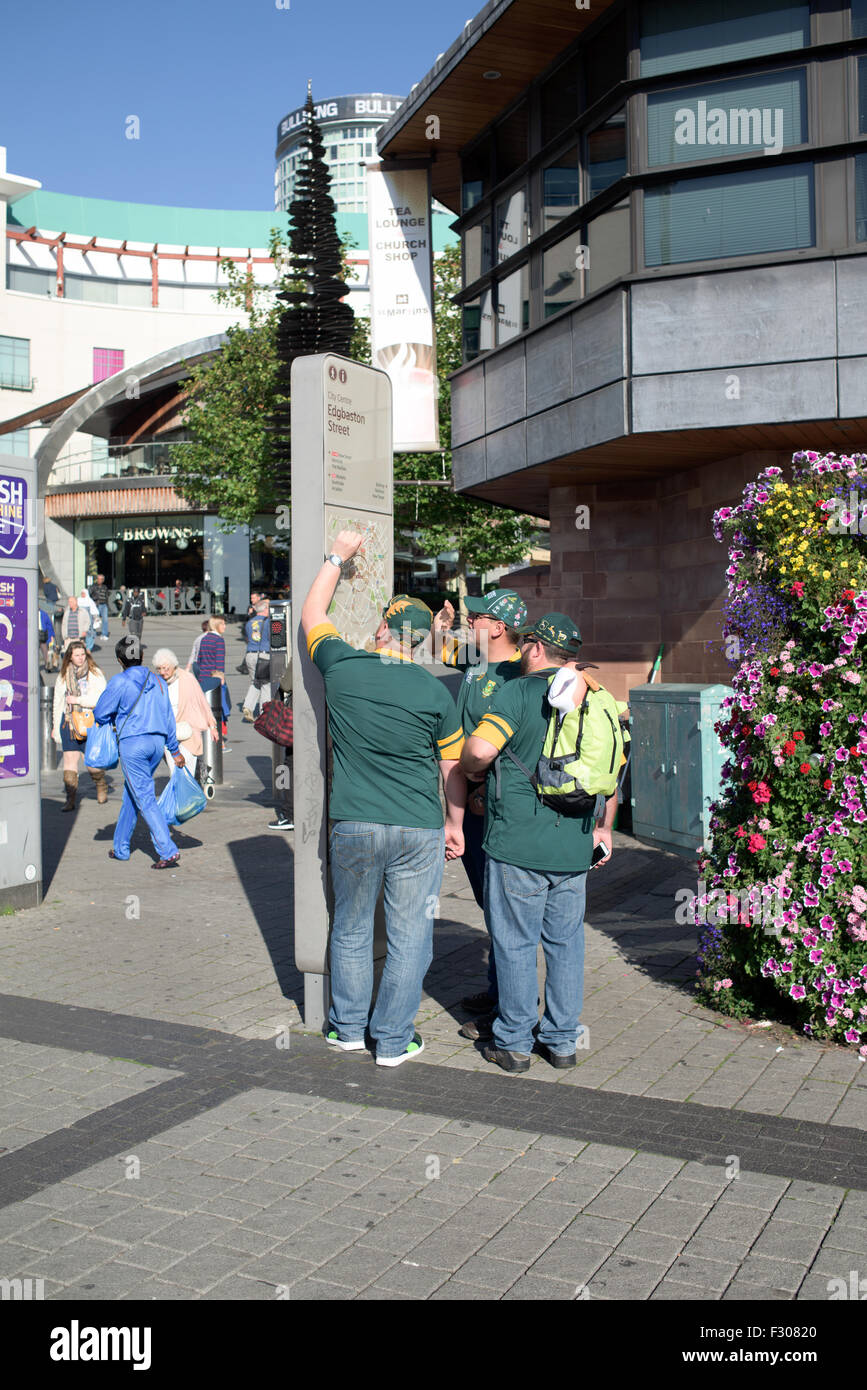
{"x":677,"y":763}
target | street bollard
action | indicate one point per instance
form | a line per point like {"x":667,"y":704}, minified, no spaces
{"x":212,"y":748}
{"x":48,"y":755}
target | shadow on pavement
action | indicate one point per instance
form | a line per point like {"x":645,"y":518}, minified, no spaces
{"x":264,"y":865}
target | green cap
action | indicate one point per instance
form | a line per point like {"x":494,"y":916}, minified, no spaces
{"x":504,"y":604}
{"x":556,"y":630}
{"x":403,"y":611}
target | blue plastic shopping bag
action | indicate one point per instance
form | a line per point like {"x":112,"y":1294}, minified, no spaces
{"x":100,"y":751}
{"x":182,"y":798}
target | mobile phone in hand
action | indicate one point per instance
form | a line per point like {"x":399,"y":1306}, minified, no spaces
{"x":600,"y":854}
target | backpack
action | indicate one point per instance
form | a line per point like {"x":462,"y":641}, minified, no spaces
{"x":582,"y":761}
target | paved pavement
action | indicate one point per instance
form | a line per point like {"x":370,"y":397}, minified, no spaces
{"x":170,"y":1131}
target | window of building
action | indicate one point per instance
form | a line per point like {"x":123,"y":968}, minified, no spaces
{"x":861,"y":197}
{"x":476,"y":174}
{"x":859,"y":19}
{"x":471,"y":312}
{"x":511,"y":223}
{"x":511,"y":143}
{"x":740,"y":214}
{"x":477,"y":251}
{"x":513,"y":305}
{"x":29,"y":281}
{"x":606,"y":154}
{"x":683,"y":34}
{"x":562,"y":275}
{"x":724,"y":118}
{"x":560,"y":99}
{"x":560,"y":188}
{"x":17,"y":443}
{"x":605,"y":59}
{"x":608,"y":247}
{"x":106,"y":361}
{"x":862,"y":96}
{"x":15,"y":363}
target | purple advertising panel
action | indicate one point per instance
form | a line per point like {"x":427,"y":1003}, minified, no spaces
{"x":14,"y":759}
{"x":13,"y":517}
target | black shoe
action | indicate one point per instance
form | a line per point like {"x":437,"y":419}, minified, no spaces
{"x":478,"y":1028}
{"x":560,"y":1060}
{"x":509,"y":1061}
{"x":479,"y":1003}
{"x":167,"y":863}
{"x":281,"y":823}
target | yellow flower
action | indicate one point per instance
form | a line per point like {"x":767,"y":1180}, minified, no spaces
{"x":826,"y":574}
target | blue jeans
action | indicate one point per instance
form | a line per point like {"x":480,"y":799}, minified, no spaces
{"x":411,"y":862}
{"x":522,"y":907}
{"x":89,"y":639}
{"x":474,"y":863}
{"x":140,"y":756}
{"x":103,"y":613}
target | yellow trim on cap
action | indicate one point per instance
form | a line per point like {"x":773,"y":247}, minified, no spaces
{"x":316,"y":635}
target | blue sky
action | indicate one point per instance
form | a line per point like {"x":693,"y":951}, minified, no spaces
{"x":208,"y":81}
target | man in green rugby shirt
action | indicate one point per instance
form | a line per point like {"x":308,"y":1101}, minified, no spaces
{"x":488,"y":661}
{"x":391,"y":724}
{"x":536,"y":860}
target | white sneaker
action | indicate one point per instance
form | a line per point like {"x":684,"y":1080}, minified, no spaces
{"x":333,"y":1041}
{"x":413,"y":1049}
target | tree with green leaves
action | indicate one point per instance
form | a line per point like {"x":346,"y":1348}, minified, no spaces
{"x":485,"y":535}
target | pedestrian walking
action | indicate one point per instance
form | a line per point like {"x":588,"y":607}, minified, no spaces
{"x":47,"y":641}
{"x":192,"y":712}
{"x":193,"y":663}
{"x":134,"y":609}
{"x":99,"y":594}
{"x":392,"y":725}
{"x":77,"y":689}
{"x":137,"y":703}
{"x":86,"y":602}
{"x":257,"y":631}
{"x":75,"y":624}
{"x":536,"y":858}
{"x":491,"y":657}
{"x":211,"y":665}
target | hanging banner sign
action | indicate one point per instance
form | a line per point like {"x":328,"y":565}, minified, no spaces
{"x":14,"y":677}
{"x":401,"y":301}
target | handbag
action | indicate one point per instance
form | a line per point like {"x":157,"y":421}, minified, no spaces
{"x":183,"y":730}
{"x":80,"y":720}
{"x":263,"y":669}
{"x":275,"y":723}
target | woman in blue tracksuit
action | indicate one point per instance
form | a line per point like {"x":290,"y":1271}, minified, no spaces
{"x":138,"y":704}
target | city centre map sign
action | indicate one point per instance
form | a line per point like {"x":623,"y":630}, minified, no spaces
{"x":342,"y":479}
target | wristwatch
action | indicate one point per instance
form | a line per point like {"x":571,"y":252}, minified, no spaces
{"x":335,"y":560}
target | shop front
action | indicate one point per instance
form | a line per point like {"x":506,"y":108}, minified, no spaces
{"x":148,"y":552}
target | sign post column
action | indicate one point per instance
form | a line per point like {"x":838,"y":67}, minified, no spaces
{"x":342,"y":478}
{"x":20,"y":819}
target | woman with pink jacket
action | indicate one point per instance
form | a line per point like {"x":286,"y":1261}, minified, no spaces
{"x":192,"y":712}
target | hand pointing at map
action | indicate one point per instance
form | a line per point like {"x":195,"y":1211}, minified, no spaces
{"x":348,"y":543}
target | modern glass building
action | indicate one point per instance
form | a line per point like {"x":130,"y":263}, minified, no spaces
{"x":663,"y":212}
{"x":349,"y":127}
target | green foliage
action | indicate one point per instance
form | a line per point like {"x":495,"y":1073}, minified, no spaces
{"x":789,"y":849}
